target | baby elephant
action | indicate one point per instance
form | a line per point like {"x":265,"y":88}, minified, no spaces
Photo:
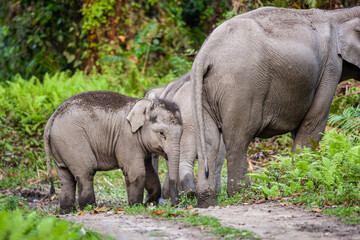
{"x":101,"y":131}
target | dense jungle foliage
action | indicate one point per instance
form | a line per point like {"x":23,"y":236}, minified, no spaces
{"x":51,"y":50}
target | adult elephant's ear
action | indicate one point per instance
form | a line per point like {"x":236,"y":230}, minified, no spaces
{"x":348,"y":36}
{"x":137,"y":115}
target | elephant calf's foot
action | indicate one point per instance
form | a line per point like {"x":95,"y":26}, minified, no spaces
{"x":207,"y":199}
{"x":67,"y":209}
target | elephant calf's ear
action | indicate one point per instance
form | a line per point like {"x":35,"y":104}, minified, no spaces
{"x":137,"y":115}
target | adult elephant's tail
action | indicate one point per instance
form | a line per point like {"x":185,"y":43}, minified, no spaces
{"x":198,"y":72}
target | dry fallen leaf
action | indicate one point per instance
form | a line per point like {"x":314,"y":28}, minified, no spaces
{"x":95,"y":212}
{"x":316,"y":210}
{"x":53,"y":197}
{"x":299,"y":204}
{"x":122,"y":38}
{"x":120,"y":212}
{"x":292,"y":216}
{"x":81,"y":213}
{"x":283,"y":204}
{"x":295,"y":194}
{"x":159,"y":212}
{"x":276,"y":198}
{"x":173,"y":214}
{"x":119,"y":209}
{"x":327,"y":203}
{"x":260,"y":201}
{"x":189,"y":207}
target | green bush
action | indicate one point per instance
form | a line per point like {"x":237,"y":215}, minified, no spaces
{"x":329,"y":172}
{"x":330,"y":175}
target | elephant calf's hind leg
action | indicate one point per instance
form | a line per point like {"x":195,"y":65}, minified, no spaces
{"x":86,"y":191}
{"x":67,"y":195}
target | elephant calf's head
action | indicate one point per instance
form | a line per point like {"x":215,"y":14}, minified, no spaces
{"x":160,"y":124}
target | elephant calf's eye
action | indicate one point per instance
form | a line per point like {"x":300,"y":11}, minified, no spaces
{"x":161,"y":133}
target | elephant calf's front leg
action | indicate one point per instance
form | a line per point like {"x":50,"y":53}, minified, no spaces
{"x":135,"y":183}
{"x":152,"y":183}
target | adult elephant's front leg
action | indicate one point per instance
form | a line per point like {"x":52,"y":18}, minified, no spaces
{"x":187,"y":160}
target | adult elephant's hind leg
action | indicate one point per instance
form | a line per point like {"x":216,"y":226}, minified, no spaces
{"x":206,"y":187}
{"x":240,"y":122}
{"x":218,"y":166}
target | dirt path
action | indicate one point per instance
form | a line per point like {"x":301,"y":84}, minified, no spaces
{"x":267,"y":221}
{"x":132,"y":227}
{"x":272,"y":221}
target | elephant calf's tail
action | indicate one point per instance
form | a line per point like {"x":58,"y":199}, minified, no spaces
{"x":47,"y":152}
{"x":197,"y":75}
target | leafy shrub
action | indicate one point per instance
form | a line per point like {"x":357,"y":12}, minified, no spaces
{"x":331,"y":173}
{"x":23,"y":225}
{"x":31,"y":102}
{"x":348,"y":120}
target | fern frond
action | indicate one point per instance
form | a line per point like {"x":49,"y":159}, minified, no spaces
{"x":349,"y":120}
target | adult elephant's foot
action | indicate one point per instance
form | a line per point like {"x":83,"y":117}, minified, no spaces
{"x":188,"y":185}
{"x":235,"y":187}
{"x":165,"y":193}
{"x":207,"y":199}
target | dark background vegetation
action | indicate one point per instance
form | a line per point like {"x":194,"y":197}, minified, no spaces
{"x":38,"y":37}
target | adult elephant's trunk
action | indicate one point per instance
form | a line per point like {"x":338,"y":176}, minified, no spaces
{"x":197,"y":75}
{"x":174,"y":159}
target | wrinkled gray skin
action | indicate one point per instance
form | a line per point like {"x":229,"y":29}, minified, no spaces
{"x":269,"y":72}
{"x":179,"y":93}
{"x":101,"y":131}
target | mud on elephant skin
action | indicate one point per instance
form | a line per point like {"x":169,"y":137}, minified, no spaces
{"x":272,"y":71}
{"x":101,"y":131}
{"x":179,"y":91}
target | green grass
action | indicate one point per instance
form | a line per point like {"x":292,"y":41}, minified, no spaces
{"x":349,"y":215}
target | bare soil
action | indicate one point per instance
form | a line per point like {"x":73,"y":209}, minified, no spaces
{"x":266,"y":220}
{"x":269,"y":220}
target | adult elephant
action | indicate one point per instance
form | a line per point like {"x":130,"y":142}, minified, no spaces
{"x":269,"y":72}
{"x":178,"y":92}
